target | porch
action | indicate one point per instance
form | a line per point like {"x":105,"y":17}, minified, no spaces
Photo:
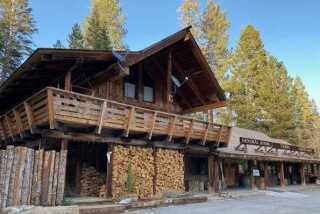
{"x":52,"y":108}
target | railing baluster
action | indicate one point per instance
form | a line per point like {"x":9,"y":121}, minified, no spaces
{"x":172,"y":127}
{"x":29,"y":116}
{"x":206,"y":134}
{"x":18,"y":121}
{"x":189,"y":131}
{"x":50,"y":109}
{"x":131,"y":116}
{"x":103,"y":110}
{"x":153,"y":122}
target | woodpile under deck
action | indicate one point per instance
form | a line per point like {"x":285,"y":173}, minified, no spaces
{"x":52,"y":105}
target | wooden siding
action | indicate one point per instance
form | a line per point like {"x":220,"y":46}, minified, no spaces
{"x":51,"y":105}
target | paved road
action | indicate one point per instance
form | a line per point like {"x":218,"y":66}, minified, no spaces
{"x":271,"y":203}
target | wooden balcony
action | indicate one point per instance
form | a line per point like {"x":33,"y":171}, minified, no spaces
{"x":53,"y":106}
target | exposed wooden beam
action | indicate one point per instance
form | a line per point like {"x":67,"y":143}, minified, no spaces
{"x":189,"y":82}
{"x":218,"y":104}
{"x":140,"y":82}
{"x":103,"y":110}
{"x":168,"y":82}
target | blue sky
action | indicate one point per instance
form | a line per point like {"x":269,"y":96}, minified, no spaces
{"x":289,"y":28}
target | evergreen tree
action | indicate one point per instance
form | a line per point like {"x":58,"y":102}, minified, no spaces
{"x":105,"y":21}
{"x":189,"y":15}
{"x":214,"y":39}
{"x":17,"y":26}
{"x":58,"y":44}
{"x":76,"y":39}
{"x":97,"y":36}
{"x":248,"y":64}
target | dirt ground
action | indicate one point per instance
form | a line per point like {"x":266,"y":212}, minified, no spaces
{"x":272,"y":202}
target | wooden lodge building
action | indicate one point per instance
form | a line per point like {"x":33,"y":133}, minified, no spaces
{"x":75,"y":122}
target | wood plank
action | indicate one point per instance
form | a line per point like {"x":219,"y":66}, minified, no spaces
{"x":206,"y":134}
{"x":102,"y":116}
{"x":26,"y":183}
{"x":55,"y":179}
{"x":51,"y":175}
{"x":45,"y":179}
{"x":3,"y":160}
{"x":12,"y":182}
{"x":51,"y":113}
{"x":17,"y":117}
{"x":34,"y":177}
{"x":39,"y":177}
{"x":189,"y":131}
{"x":18,"y":176}
{"x":172,"y":127}
{"x":29,"y":116}
{"x":131,"y":117}
{"x":153,"y":122}
{"x":62,"y":176}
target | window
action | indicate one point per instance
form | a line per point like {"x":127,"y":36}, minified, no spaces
{"x":129,"y":90}
{"x":148,"y":89}
{"x":148,"y":94}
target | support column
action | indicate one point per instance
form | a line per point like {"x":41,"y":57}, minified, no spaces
{"x":109,"y":171}
{"x":266,"y":175}
{"x":281,"y":168}
{"x":213,"y":172}
{"x":252,"y":178}
{"x":302,"y":174}
{"x":78,"y":169}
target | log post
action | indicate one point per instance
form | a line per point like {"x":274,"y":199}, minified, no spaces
{"x":216,"y":175}
{"x":78,"y":169}
{"x":281,"y":168}
{"x":302,"y":174}
{"x":266,"y":175}
{"x":252,"y":178}
{"x":210,"y":174}
{"x":109,"y":171}
{"x":168,"y":81}
{"x":67,"y":81}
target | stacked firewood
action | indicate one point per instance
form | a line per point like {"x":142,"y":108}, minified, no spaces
{"x":169,"y":170}
{"x":90,"y":182}
{"x":142,"y":165}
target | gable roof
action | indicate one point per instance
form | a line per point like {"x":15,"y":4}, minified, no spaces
{"x":46,"y":65}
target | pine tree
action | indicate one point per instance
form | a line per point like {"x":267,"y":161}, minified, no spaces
{"x":105,"y":22}
{"x":76,"y":39}
{"x":214,"y":39}
{"x":58,"y":44}
{"x":189,"y":15}
{"x":248,"y":63}
{"x":17,"y":26}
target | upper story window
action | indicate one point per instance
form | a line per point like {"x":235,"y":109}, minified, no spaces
{"x":130,"y":85}
{"x":148,"y":89}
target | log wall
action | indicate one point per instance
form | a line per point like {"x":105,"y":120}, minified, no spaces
{"x":155,"y":170}
{"x":31,"y":177}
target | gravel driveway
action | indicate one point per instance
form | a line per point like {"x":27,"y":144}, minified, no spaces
{"x":271,"y":203}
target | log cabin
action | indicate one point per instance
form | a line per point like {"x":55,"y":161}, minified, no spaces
{"x":79,"y":123}
{"x":82,"y":117}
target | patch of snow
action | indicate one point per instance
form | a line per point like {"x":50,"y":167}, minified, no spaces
{"x":286,"y":194}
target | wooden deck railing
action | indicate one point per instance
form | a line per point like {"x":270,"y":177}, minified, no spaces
{"x":51,"y":105}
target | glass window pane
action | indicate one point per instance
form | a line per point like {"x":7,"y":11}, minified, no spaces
{"x":148,"y":94}
{"x":130,"y":90}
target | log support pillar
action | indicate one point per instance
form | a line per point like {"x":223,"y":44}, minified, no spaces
{"x":109,"y":171}
{"x":213,"y":170}
{"x":266,"y":175}
{"x":281,"y":168}
{"x":251,"y":165}
{"x":302,"y":174}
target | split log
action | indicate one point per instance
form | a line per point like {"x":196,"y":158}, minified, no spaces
{"x":61,"y":176}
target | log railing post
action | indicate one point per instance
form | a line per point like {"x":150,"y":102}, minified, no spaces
{"x":50,"y":109}
{"x":172,"y":127}
{"x":29,"y":116}
{"x":101,"y":119}
{"x":17,"y":117}
{"x":131,"y":116}
{"x":282,"y":183}
{"x":190,"y":131}
{"x":153,"y":122}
